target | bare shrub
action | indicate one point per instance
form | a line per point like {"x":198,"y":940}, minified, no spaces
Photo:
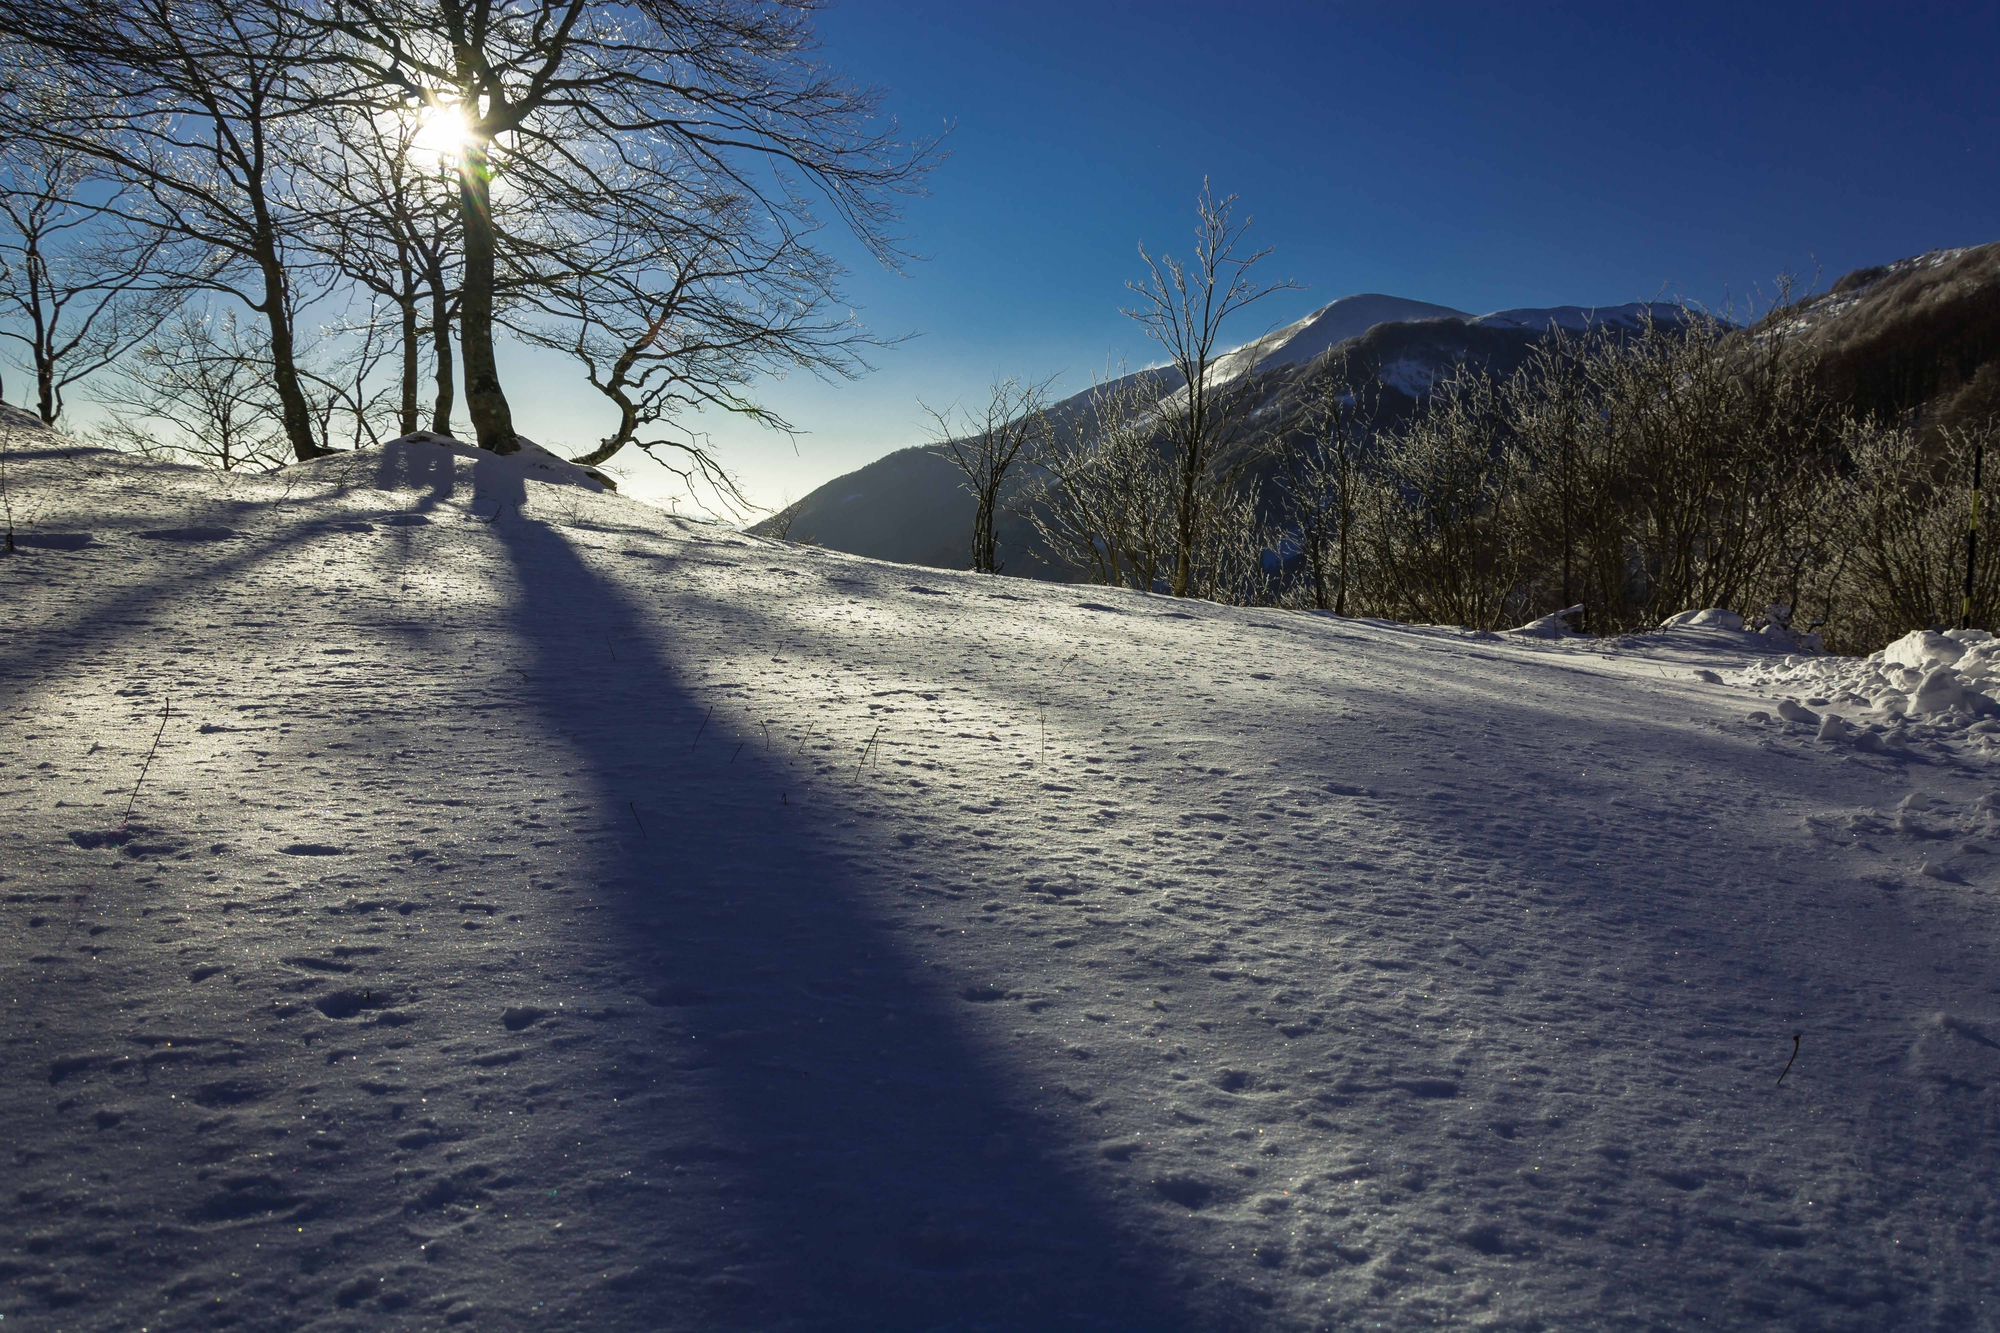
{"x":1102,"y":495}
{"x":1901,"y":512}
{"x":1717,"y":442}
{"x":985,"y":444}
{"x":200,"y":390}
{"x":1320,"y":480}
{"x":1441,"y":518}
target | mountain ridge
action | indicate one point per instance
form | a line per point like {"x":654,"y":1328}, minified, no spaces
{"x":1893,"y":338}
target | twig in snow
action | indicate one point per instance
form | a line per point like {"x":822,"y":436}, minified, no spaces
{"x":864,"y":752}
{"x":1788,"y":1063}
{"x":703,"y":727}
{"x":636,"y":820}
{"x":1042,"y":707}
{"x":738,"y":750}
{"x":613,"y":647}
{"x":165,"y":713}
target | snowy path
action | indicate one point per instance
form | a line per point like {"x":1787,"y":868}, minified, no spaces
{"x":517,"y":927}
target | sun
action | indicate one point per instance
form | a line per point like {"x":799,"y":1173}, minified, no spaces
{"x":441,"y":136}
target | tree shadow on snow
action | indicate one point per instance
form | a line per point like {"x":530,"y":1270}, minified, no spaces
{"x":820,"y":1143}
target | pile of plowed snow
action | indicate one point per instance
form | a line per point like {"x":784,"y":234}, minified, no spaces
{"x":1929,"y":686}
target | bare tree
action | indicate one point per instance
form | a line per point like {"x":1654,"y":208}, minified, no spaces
{"x":199,"y":389}
{"x":343,"y":383}
{"x":201,"y":110}
{"x":1239,"y":558}
{"x":1901,"y":512}
{"x":984,"y":445}
{"x":779,"y":524}
{"x":390,"y":225}
{"x":1717,"y":439}
{"x":561,"y":96}
{"x":1552,"y":415}
{"x":674,"y":302}
{"x":74,"y":293}
{"x":1442,"y":519}
{"x":1183,"y":308}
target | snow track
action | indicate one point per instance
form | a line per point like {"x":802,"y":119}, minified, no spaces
{"x":587,"y":918}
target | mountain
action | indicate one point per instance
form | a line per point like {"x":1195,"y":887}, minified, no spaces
{"x":1575,"y":318}
{"x":1919,"y":338}
{"x":911,"y":505}
{"x":1326,"y":327}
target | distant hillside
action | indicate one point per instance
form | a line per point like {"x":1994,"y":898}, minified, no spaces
{"x":1919,"y":338}
{"x":911,"y":507}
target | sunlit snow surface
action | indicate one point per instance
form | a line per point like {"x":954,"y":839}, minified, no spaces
{"x":542,"y":912}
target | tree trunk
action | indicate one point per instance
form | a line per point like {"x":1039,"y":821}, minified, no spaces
{"x":1184,"y":520}
{"x":984,"y":546}
{"x":1346,"y":528}
{"x":492,"y":419}
{"x":407,"y":415}
{"x":45,"y":363}
{"x":276,"y":309}
{"x":441,"y":354}
{"x":1320,"y":599}
{"x":628,"y":411}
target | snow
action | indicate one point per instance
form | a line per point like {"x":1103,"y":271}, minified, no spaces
{"x":1411,"y":376}
{"x":1351,"y":316}
{"x":1939,"y":687}
{"x":1714,"y":617}
{"x":421,"y":459}
{"x":1303,"y":339}
{"x":543,"y":911}
{"x":1556,"y":625}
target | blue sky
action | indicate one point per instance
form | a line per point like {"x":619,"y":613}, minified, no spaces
{"x":1477,"y":156}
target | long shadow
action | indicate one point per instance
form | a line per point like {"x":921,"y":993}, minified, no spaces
{"x":840,"y":1153}
{"x":239,"y":552}
{"x":1684,"y":965}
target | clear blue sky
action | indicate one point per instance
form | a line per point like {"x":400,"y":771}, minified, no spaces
{"x":1477,"y":156}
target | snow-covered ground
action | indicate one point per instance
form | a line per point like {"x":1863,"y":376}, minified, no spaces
{"x":544,"y":912}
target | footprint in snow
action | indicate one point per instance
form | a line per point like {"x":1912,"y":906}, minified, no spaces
{"x":521,"y":1016}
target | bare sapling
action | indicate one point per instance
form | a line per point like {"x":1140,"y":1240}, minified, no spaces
{"x":1183,"y":306}
{"x":985,"y":444}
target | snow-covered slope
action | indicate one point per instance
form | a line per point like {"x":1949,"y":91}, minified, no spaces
{"x":1351,"y":316}
{"x":1302,"y":340}
{"x":542,"y":912}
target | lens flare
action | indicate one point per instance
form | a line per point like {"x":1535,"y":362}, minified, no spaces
{"x":442,"y":134}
